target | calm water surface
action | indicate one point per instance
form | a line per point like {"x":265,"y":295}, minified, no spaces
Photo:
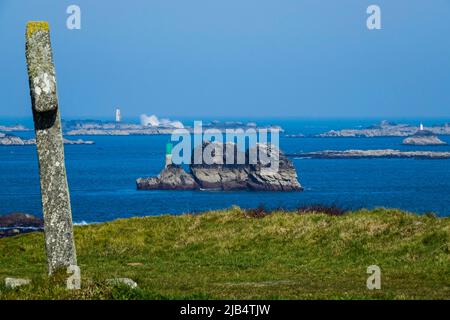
{"x":102,"y":178}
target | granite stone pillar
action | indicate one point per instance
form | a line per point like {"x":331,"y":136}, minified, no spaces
{"x":59,"y":241}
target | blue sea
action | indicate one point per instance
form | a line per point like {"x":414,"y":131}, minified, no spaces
{"x":102,"y":176}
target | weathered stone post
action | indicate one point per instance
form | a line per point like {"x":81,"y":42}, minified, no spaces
{"x":59,"y":241}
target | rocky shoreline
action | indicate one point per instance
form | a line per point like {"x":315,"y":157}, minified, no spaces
{"x":359,"y":154}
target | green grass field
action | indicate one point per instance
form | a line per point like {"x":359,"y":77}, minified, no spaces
{"x":231,"y":255}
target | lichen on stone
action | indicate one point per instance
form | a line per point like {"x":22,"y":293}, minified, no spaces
{"x":34,"y":26}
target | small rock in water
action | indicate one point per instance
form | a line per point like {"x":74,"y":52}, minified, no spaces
{"x":424,"y":139}
{"x":125,"y":281}
{"x":13,"y":283}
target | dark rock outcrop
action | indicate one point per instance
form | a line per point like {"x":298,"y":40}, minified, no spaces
{"x":20,"y":220}
{"x":171,"y":178}
{"x":17,"y":223}
{"x":218,"y":174}
{"x":262,"y":177}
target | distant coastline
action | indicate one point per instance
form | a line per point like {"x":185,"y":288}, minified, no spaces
{"x":103,"y":128}
{"x":386,"y":129}
{"x":98,"y":127}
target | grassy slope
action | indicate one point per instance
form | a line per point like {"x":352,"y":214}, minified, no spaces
{"x":225,"y":254}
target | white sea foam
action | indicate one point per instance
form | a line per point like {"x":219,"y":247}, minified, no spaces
{"x":153,"y":121}
{"x":83,"y":223}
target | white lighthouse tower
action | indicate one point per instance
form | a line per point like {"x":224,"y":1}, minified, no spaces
{"x":421,"y":127}
{"x":118,"y":115}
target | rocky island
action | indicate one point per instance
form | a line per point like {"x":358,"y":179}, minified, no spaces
{"x":11,"y":140}
{"x":226,"y":177}
{"x":424,"y":138}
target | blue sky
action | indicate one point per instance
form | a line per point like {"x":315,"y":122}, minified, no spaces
{"x":236,"y":58}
